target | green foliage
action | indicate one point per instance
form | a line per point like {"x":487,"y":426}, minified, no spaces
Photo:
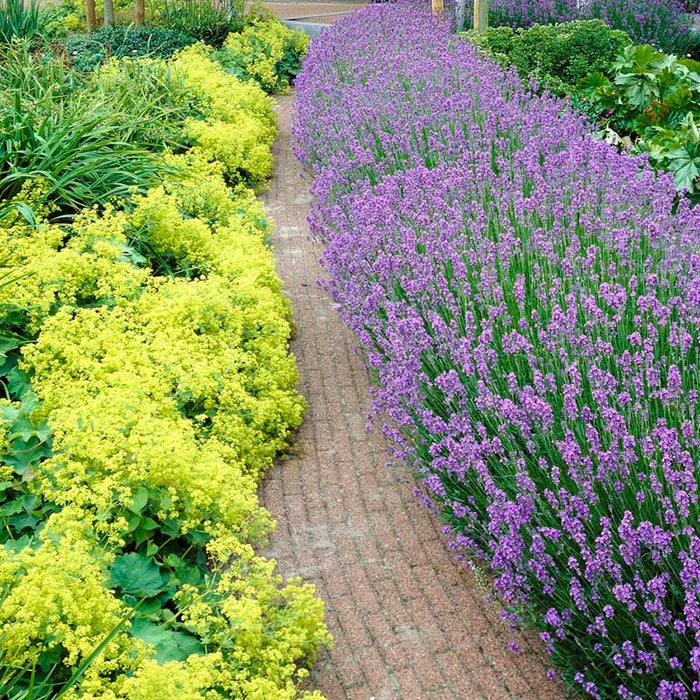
{"x":145,"y":386}
{"x":265,"y":51}
{"x":170,"y":645}
{"x":653,"y":103}
{"x":85,"y":52}
{"x":558,"y":55}
{"x":152,"y":96}
{"x":77,"y":149}
{"x":201,"y":19}
{"x":18,"y":683}
{"x":19,"y":20}
{"x":82,"y":149}
{"x":36,"y":75}
{"x":27,"y":442}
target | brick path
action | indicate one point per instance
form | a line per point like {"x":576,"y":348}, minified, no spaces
{"x":409,"y":624}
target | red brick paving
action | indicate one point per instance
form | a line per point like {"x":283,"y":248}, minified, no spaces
{"x":409,"y":623}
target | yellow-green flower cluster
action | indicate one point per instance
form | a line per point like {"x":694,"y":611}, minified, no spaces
{"x":240,"y":125}
{"x":161,"y":365}
{"x":266,"y":51}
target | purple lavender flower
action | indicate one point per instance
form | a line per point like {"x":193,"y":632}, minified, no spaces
{"x":530,"y":301}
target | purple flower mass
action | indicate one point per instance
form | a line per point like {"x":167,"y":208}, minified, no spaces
{"x":664,"y":23}
{"x":530,"y":301}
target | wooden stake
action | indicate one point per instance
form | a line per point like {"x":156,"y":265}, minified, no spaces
{"x":140,"y":12}
{"x":438,"y":7}
{"x":90,"y":19}
{"x":481,"y":15}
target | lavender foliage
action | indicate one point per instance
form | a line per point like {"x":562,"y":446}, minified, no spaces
{"x":530,"y":301}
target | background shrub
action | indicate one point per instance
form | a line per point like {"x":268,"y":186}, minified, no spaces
{"x":558,"y":55}
{"x":85,"y":52}
{"x":663,"y":23}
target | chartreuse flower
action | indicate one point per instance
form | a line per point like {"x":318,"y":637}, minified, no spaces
{"x":159,"y":359}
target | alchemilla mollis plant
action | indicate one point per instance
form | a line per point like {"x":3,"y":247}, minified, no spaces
{"x":145,"y":387}
{"x":530,"y":301}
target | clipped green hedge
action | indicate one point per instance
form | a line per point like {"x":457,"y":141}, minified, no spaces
{"x":556,"y":55}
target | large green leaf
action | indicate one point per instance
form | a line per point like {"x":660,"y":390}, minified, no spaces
{"x":593,"y":82}
{"x":169,"y":645}
{"x":684,"y":166}
{"x":137,"y":575}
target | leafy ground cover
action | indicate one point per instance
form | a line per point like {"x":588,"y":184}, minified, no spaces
{"x":145,"y":385}
{"x":528,"y":298}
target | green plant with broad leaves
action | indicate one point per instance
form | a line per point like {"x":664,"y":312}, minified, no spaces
{"x":26,"y":441}
{"x":652,"y":105}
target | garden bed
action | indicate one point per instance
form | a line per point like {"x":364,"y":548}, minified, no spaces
{"x":528,"y":297}
{"x":146,"y":379}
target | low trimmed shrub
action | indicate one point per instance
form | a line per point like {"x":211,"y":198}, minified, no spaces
{"x":556,"y":56}
{"x":86,"y":52}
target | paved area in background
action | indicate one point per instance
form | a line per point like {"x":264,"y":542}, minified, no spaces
{"x":409,"y":624}
{"x":323,"y":11}
{"x":292,"y":9}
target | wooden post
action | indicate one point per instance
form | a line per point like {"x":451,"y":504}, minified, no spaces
{"x":481,"y":15}
{"x":140,"y":12}
{"x":90,"y":19}
{"x":108,"y":6}
{"x":438,"y":7}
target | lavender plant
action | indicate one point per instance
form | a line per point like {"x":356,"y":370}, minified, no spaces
{"x":663,"y":23}
{"x":530,"y":301}
{"x":525,"y":13}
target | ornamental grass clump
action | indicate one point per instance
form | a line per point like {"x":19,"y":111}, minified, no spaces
{"x":530,"y":301}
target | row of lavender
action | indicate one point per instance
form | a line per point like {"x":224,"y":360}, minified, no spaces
{"x":530,"y":300}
